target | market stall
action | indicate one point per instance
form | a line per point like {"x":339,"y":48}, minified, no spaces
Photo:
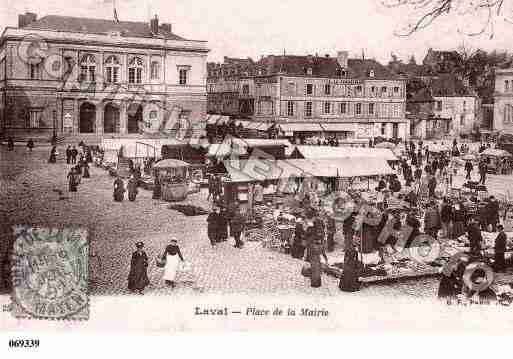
{"x":173,"y":177}
{"x":499,"y":161}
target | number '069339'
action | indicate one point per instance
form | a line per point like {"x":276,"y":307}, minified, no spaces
{"x":23,"y":343}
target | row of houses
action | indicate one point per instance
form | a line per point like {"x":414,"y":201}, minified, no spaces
{"x":93,"y":78}
{"x":355,"y":97}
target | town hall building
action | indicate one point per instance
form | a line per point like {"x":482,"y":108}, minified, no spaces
{"x":94,"y":78}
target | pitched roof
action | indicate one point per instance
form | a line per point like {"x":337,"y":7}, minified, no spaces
{"x":322,"y":66}
{"x":99,"y":26}
{"x":447,"y":85}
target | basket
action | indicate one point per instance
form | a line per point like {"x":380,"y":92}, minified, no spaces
{"x":159,"y":262}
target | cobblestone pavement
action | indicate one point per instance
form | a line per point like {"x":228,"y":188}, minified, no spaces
{"x":29,"y":196}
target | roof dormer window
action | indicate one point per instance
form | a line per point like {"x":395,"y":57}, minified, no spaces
{"x":309,"y":71}
{"x":371,"y":73}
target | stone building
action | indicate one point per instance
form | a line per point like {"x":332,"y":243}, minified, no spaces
{"x":323,"y":95}
{"x":94,"y":78}
{"x":503,"y":101}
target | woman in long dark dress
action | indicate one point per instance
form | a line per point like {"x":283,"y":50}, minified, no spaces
{"x":119,"y":190}
{"x":138,"y":276}
{"x":298,"y":248}
{"x":132,"y":188}
{"x":157,"y":188}
{"x":53,"y":155}
{"x":85,"y":167}
{"x":349,"y":281}
{"x":72,"y":180}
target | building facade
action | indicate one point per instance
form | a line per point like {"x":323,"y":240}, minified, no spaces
{"x":91,"y":77}
{"x":335,"y":96}
{"x":503,"y":101}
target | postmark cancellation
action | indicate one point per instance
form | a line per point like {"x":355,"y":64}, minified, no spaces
{"x":50,"y":273}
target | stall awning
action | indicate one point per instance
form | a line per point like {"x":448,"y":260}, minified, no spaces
{"x":261,"y":170}
{"x":495,"y":152}
{"x":223,"y":120}
{"x":260,"y":126}
{"x":300,"y":127}
{"x":329,"y":152}
{"x":212,"y":119}
{"x":339,"y":127}
{"x":225,"y":149}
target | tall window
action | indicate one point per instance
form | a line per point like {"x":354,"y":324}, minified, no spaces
{"x":35,"y":118}
{"x":506,"y":86}
{"x":383,"y":89}
{"x":112,"y":70}
{"x":439,"y":105}
{"x":508,"y":114}
{"x":34,"y":72}
{"x":309,"y":89}
{"x":327,"y":108}
{"x":155,"y":70}
{"x":290,"y":108}
{"x":327,"y":89}
{"x":358,"y":89}
{"x":182,"y":76}
{"x":308,"y":109}
{"x":88,"y":68}
{"x":358,"y":109}
{"x":245,"y":89}
{"x":343,"y":107}
{"x":135,"y":68}
{"x":396,"y":89}
{"x":383,"y":128}
{"x":371,"y":109}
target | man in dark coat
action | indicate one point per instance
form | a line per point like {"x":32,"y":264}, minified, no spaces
{"x":446,"y":216}
{"x":53,"y":155}
{"x":432,"y":222}
{"x":432,"y":186}
{"x":68,"y":154}
{"x":213,"y":226}
{"x":138,"y":276}
{"x":475,"y":237}
{"x":72,"y":180}
{"x":468,"y":169}
{"x":74,"y":154}
{"x":298,"y":247}
{"x":492,"y":211}
{"x":30,"y":144}
{"x":500,"y":249}
{"x":483,"y":168}
{"x":223,"y":225}
{"x":237,"y":222}
{"x":10,"y":144}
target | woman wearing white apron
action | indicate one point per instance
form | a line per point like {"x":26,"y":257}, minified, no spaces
{"x":171,"y":255}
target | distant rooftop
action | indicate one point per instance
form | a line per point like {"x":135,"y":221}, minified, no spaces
{"x":101,"y":26}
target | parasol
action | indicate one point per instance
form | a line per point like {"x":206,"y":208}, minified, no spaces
{"x":469,"y":157}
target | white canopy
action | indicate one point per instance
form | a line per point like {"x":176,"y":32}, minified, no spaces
{"x":330,"y":152}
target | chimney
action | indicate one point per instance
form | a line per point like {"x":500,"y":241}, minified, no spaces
{"x":342,"y":58}
{"x":154,"y":25}
{"x":26,"y":19}
{"x":166,"y":27}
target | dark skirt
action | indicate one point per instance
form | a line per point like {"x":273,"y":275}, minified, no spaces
{"x":315,"y":264}
{"x":298,"y":251}
{"x":118,"y":196}
{"x":349,"y":282}
{"x":86,"y":173}
{"x":458,"y":229}
{"x":72,"y":186}
{"x":132,"y":196}
{"x":52,"y":159}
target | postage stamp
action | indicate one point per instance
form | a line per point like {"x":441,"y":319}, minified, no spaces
{"x":49,"y":273}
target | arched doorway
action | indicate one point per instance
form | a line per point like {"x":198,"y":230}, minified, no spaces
{"x":87,"y":117}
{"x":135,"y":117}
{"x":111,"y":119}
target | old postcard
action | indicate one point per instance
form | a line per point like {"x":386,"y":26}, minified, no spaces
{"x":176,"y":166}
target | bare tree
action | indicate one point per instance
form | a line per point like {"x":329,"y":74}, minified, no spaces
{"x":425,"y":12}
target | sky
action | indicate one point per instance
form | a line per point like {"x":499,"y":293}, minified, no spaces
{"x":249,"y":28}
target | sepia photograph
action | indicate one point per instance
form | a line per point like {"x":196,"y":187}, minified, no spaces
{"x":236,"y":165}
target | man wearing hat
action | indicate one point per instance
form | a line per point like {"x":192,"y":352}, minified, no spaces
{"x":138,"y":276}
{"x":500,"y":249}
